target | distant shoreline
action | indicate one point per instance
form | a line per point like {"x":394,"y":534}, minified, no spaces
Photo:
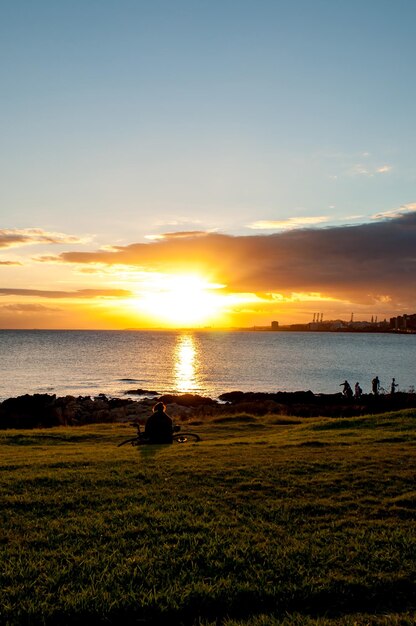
{"x":282,"y":329}
{"x":368,"y":329}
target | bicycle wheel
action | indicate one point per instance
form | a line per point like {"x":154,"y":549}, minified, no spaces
{"x":186,"y":437}
{"x":134,"y":441}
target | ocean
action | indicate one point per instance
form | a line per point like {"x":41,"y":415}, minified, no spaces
{"x":203,"y":362}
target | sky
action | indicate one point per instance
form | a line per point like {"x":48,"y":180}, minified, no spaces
{"x":196,"y":163}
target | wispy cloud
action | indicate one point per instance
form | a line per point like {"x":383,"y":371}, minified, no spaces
{"x":80,"y":293}
{"x":360,"y":170}
{"x":393,"y":213}
{"x":12,"y":238}
{"x":287,"y":224}
{"x":53,"y":258}
{"x":28,"y":308}
{"x":347,"y":218}
{"x":179,"y":235}
{"x":365,"y":170}
{"x":182,"y":222}
{"x":154,"y":237}
{"x":10,"y":263}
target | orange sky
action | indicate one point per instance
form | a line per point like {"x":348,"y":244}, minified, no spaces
{"x":198,"y":279}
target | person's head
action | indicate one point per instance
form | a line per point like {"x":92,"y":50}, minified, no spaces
{"x":159,"y":407}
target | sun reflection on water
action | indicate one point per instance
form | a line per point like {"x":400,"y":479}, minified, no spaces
{"x":186,"y":362}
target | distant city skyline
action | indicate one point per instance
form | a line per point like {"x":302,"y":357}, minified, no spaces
{"x":178,"y":164}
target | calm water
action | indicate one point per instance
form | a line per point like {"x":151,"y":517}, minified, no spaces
{"x":208,"y":363}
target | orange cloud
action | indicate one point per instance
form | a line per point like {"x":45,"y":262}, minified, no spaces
{"x":28,"y":308}
{"x":80,"y":293}
{"x":11,"y":238}
{"x":179,"y":235}
{"x":355,"y":263}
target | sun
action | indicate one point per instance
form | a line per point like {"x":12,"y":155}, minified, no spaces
{"x":182,"y":300}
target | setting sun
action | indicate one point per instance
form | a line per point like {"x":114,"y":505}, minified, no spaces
{"x":182,"y":300}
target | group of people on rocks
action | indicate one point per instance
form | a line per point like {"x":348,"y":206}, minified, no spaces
{"x":375,"y":388}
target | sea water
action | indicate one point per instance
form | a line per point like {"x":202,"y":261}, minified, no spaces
{"x":203,"y":362}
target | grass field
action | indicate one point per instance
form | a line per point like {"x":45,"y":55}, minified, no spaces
{"x":267,"y":520}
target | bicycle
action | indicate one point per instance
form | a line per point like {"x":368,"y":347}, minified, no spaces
{"x":178,"y":437}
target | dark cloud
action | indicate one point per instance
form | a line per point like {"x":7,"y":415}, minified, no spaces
{"x":80,"y":293}
{"x":362,"y":263}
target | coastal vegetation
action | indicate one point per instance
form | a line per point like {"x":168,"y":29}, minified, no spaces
{"x":270,"y":519}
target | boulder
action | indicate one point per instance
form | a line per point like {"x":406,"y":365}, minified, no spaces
{"x":187,"y":399}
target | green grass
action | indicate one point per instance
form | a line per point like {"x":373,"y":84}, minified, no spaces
{"x":267,"y":520}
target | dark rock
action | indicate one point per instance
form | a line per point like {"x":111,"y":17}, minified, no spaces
{"x":28,"y":411}
{"x":118,"y":402}
{"x":232,"y":396}
{"x":141,"y":392}
{"x":282,"y":397}
{"x":44,"y":410}
{"x":187,"y":399}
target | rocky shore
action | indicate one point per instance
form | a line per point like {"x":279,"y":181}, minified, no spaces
{"x":45,"y":410}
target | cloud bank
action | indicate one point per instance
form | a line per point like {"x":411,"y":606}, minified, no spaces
{"x":28,"y":308}
{"x":80,"y":293}
{"x":374,"y":262}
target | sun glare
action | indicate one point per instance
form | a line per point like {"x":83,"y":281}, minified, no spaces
{"x":185,"y":364}
{"x":182,"y":300}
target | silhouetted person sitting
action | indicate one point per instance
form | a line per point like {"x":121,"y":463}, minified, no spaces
{"x":375,"y":385}
{"x":159,"y":426}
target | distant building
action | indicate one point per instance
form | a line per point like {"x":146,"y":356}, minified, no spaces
{"x":275,"y":325}
{"x":403,"y":322}
{"x":337,"y":325}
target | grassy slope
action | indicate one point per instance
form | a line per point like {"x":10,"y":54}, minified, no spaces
{"x":266,"y":521}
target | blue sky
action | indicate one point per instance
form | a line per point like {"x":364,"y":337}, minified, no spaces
{"x":121,"y":120}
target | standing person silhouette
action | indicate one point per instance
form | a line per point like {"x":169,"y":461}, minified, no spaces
{"x":393,"y":386}
{"x":375,"y":385}
{"x":347,"y":391}
{"x":358,"y":391}
{"x":159,"y":426}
